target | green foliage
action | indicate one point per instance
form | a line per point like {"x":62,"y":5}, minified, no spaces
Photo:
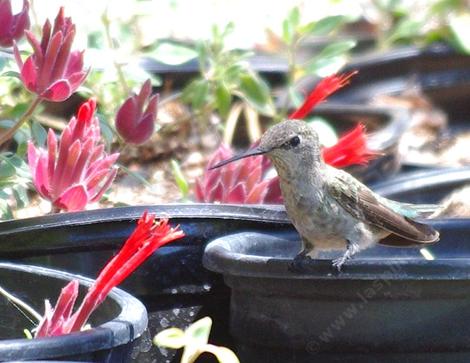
{"x":180,"y":180}
{"x":194,"y":340}
{"x":405,"y":22}
{"x":224,"y":75}
{"x":328,"y":59}
{"x":14,"y":180}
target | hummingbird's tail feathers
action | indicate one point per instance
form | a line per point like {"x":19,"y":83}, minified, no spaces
{"x":394,"y":240}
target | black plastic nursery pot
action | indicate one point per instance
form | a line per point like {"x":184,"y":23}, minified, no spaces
{"x":385,"y":126}
{"x":439,"y":71}
{"x":174,"y":286}
{"x":428,"y":186}
{"x":115,"y":325}
{"x":387,"y":305}
{"x":272,"y":68}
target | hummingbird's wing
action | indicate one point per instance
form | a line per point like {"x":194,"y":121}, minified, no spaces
{"x":363,"y":204}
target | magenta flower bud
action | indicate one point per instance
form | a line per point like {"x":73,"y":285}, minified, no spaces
{"x":12,"y":27}
{"x":75,"y":170}
{"x":133,"y":123}
{"x":53,"y":71}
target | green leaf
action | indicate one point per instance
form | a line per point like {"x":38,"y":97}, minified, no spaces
{"x":295,"y":96}
{"x":326,"y":66}
{"x":181,"y":181}
{"x":223,"y":99}
{"x":172,"y":53}
{"x":197,"y":93}
{"x":13,"y":74}
{"x":5,"y":210}
{"x":294,"y":17}
{"x":3,"y":61}
{"x":290,"y":24}
{"x":106,"y":130}
{"x":324,"y":26}
{"x":257,"y":93}
{"x":405,"y":29}
{"x":22,"y":149}
{"x":459,"y":27}
{"x":7,"y":170}
{"x":172,"y":338}
{"x":38,"y":133}
{"x":336,"y":49}
{"x":21,"y":197}
{"x":198,"y":332}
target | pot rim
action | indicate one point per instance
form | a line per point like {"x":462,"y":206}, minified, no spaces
{"x":126,"y":327}
{"x":222,"y":256}
{"x":423,"y":178}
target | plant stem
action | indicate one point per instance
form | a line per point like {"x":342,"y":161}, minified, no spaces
{"x":292,"y":66}
{"x":11,"y":131}
{"x":109,"y":39}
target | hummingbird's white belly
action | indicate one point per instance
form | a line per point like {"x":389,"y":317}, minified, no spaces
{"x":321,"y":221}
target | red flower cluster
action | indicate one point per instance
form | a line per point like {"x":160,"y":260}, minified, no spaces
{"x":242,"y":182}
{"x":53,"y":71}
{"x":145,"y":240}
{"x":76,"y":170}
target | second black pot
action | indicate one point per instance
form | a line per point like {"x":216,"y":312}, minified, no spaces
{"x":174,"y":286}
{"x":387,"y":305}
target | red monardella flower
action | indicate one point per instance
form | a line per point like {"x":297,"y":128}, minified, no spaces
{"x":12,"y":27}
{"x":351,"y":149}
{"x":76,"y":170}
{"x":147,"y":237}
{"x":53,"y":71}
{"x":242,"y":182}
{"x":325,"y":88}
{"x":133,"y":123}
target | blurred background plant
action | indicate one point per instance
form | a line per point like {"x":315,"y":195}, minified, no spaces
{"x":414,"y":22}
{"x":224,"y":97}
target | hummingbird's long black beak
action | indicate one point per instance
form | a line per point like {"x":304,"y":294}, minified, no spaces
{"x":250,"y":152}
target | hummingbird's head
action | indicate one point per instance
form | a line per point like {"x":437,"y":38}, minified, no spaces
{"x":290,"y":145}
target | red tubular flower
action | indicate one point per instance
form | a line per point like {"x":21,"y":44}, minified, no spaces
{"x":76,"y":170}
{"x":133,"y":123}
{"x":147,"y":237}
{"x":350,"y":149}
{"x":325,"y":88}
{"x":242,"y":182}
{"x":12,"y":27}
{"x":53,"y":71}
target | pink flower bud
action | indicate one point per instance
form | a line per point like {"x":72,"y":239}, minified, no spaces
{"x":12,"y":27}
{"x":133,"y":123}
{"x":53,"y":71}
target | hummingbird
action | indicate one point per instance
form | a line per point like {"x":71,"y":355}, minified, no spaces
{"x":330,"y":208}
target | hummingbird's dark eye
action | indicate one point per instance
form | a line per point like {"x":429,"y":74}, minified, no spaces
{"x":294,"y":141}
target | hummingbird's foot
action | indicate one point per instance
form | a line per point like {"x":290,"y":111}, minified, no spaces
{"x":298,"y":263}
{"x":350,"y":251}
{"x":339,"y":262}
